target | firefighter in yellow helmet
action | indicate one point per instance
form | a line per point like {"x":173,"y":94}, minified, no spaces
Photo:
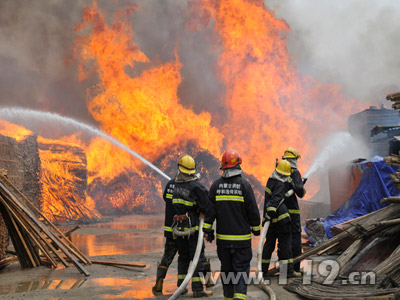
{"x":275,"y":211}
{"x":296,"y":184}
{"x":189,"y":200}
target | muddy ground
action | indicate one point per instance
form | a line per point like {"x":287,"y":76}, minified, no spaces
{"x":126,"y":239}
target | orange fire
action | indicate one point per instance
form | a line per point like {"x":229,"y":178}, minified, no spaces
{"x":271,"y":106}
{"x":64,"y":181}
{"x":144,"y":111}
{"x":12,"y":130}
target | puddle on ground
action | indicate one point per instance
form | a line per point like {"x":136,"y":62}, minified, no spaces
{"x":121,"y":288}
{"x":126,"y":288}
{"x":117,"y":243}
{"x":37,"y":285}
{"x":146,"y":236}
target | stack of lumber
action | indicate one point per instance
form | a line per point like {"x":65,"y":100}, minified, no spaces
{"x":395,"y":98}
{"x":4,"y":238}
{"x":36,"y":240}
{"x":394,"y":159}
{"x":63,"y":176}
{"x":354,"y":238}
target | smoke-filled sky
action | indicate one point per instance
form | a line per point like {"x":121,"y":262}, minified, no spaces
{"x":354,"y":43}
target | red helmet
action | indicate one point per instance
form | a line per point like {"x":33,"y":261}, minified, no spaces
{"x":230,"y":158}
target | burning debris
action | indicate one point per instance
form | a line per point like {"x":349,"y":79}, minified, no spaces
{"x":63,"y":180}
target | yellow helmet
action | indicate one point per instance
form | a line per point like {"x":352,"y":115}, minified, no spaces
{"x":284,"y":167}
{"x":291,"y":153}
{"x":186,"y":164}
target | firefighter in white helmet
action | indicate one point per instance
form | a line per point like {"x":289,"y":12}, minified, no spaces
{"x":275,"y":211}
{"x":296,"y":183}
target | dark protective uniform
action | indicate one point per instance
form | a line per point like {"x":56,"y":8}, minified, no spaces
{"x":171,"y":247}
{"x":293,"y":207}
{"x":237,"y":215}
{"x":280,"y":227}
{"x":190,"y":198}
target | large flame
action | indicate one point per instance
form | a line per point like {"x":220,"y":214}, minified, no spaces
{"x":271,"y":106}
{"x":15,"y":131}
{"x":144,"y":111}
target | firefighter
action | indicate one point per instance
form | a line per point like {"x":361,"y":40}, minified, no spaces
{"x":190,"y":198}
{"x":171,"y":247}
{"x":275,"y":210}
{"x":297,"y":185}
{"x":237,"y":216}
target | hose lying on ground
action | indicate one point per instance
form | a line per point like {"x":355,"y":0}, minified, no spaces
{"x":263,"y":286}
{"x":193,"y":264}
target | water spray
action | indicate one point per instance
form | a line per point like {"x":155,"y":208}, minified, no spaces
{"x":16,"y":112}
{"x":338,"y":142}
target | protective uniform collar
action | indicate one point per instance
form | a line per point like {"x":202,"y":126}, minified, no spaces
{"x":277,"y":176}
{"x":293,"y":162}
{"x":182,"y":177}
{"x":230,"y":172}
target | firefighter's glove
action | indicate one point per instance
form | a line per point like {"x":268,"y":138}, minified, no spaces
{"x":289,"y":193}
{"x":271,"y":212}
{"x":209,"y":234}
{"x":256,"y":232}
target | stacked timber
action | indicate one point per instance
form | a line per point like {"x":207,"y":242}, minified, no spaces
{"x":64,"y":181}
{"x":395,"y":98}
{"x":394,"y":159}
{"x":355,"y":241}
{"x":36,"y":242}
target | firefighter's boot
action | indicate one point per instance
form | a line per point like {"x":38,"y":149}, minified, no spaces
{"x":200,"y":294}
{"x":161,"y":273}
{"x":207,"y":274}
{"x":157,"y":288}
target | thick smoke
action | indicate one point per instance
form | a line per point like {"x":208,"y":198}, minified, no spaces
{"x":40,"y":72}
{"x":354,"y":43}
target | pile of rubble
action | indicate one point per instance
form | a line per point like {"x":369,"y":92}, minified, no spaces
{"x":369,"y":246}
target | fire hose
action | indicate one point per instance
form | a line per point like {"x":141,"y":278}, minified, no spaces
{"x":193,"y":264}
{"x":266,"y":288}
{"x":264,"y":232}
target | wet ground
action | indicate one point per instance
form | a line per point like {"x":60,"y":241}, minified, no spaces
{"x":134,"y":238}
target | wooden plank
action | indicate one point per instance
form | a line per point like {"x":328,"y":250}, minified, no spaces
{"x":28,"y":225}
{"x":390,"y":200}
{"x":17,"y":235}
{"x":115,"y":263}
{"x":70,"y":246}
{"x":328,"y":248}
{"x":37,"y":242}
{"x":343,"y":259}
{"x":52,"y":236}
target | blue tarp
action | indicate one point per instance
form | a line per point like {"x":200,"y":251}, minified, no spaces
{"x":375,"y":184}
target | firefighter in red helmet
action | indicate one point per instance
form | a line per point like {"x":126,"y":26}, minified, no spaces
{"x":237,"y":216}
